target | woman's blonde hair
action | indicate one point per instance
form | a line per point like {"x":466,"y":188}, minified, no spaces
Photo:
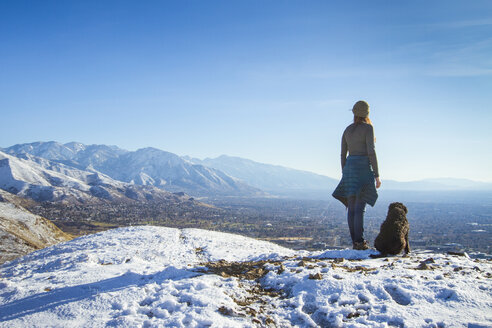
{"x":358,"y":120}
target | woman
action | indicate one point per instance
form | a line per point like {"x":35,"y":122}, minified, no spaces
{"x":360,"y":170}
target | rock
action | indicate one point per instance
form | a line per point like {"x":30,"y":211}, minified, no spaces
{"x":423,"y":266}
{"x":225,"y":311}
{"x":429,"y":260}
{"x":316,"y":276}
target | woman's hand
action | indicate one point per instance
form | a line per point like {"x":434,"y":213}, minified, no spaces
{"x":378,"y":182}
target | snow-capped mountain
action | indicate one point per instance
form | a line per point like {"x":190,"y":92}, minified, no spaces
{"x":72,"y":153}
{"x":163,"y":277}
{"x":224,"y":175}
{"x":151,"y":166}
{"x":271,"y":178}
{"x":147,"y":166}
{"x":22,"y":232}
{"x":45,"y":180}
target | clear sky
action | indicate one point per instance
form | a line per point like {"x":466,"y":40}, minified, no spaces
{"x":272,"y":81}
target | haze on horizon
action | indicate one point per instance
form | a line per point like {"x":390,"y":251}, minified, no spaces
{"x":268,"y":81}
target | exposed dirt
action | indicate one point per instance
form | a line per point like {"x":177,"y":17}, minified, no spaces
{"x":257,"y":302}
{"x":242,"y":270}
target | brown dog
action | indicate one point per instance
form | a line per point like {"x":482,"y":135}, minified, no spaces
{"x":393,"y":236}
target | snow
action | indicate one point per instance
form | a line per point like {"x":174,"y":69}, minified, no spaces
{"x":44,"y":180}
{"x":38,"y":171}
{"x":39,"y":164}
{"x":159,"y":277}
{"x":22,"y":173}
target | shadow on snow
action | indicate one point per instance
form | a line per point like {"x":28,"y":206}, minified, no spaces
{"x":65,"y":295}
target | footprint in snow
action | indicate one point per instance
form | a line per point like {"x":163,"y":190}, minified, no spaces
{"x":398,"y":294}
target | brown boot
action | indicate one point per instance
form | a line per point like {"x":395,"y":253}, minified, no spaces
{"x":361,"y":245}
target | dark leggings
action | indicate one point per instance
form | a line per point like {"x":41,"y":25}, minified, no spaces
{"x":355,"y":218}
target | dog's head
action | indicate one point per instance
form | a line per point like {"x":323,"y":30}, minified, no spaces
{"x":397,"y":205}
{"x":397,"y":212}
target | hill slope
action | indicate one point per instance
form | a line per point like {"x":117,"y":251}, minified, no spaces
{"x":117,"y":279}
{"x":22,"y":232}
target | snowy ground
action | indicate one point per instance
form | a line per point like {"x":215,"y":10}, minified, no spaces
{"x":162,"y":277}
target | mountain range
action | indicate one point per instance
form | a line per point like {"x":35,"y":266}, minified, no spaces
{"x":41,"y":179}
{"x":274,"y":179}
{"x":55,"y":171}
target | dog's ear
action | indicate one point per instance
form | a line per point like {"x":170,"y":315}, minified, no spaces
{"x":404,"y":208}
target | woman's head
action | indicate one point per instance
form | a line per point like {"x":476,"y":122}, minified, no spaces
{"x":361,"y":109}
{"x":361,"y":112}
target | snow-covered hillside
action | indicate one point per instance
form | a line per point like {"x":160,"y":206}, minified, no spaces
{"x":22,"y":232}
{"x":162,"y":277}
{"x":45,"y":180}
{"x":147,"y":166}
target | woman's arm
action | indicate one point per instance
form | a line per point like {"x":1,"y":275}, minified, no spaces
{"x":371,"y":150}
{"x":343,"y":155}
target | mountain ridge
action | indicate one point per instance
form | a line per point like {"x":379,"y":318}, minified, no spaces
{"x":224,"y":175}
{"x":271,"y":178}
{"x":145,"y":166}
{"x":45,"y":180}
{"x":328,"y":183}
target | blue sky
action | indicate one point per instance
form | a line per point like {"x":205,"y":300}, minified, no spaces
{"x":272,"y":81}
